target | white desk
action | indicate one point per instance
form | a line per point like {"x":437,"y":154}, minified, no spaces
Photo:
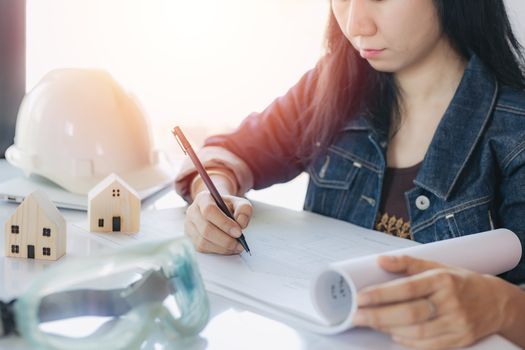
{"x":232,"y":325}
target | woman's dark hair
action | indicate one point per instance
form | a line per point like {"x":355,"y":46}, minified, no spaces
{"x":347,"y":84}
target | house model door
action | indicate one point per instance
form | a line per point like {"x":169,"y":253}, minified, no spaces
{"x":31,"y":251}
{"x":116,"y":224}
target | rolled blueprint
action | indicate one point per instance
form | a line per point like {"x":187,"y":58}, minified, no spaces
{"x":334,"y":289}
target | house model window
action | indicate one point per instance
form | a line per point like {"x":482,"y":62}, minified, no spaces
{"x":15,"y":229}
{"x":14,"y":249}
{"x":46,"y":232}
{"x":100,"y":222}
{"x":46,"y":251}
{"x":116,"y":193}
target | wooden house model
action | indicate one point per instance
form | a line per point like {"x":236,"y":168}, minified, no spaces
{"x":36,"y":230}
{"x":113,"y":206}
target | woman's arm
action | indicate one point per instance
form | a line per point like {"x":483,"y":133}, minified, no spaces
{"x":262,"y":150}
{"x":439,"y":307}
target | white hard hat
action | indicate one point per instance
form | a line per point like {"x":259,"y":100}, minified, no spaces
{"x":77,"y":126}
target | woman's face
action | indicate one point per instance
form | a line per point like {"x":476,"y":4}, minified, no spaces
{"x":392,"y":35}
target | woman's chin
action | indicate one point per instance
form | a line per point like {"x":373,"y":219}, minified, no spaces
{"x":383,"y":66}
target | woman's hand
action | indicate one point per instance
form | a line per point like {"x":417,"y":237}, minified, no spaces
{"x":210,"y":230}
{"x":436,"y":307}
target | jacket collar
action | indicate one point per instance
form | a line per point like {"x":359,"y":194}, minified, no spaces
{"x":459,"y":131}
{"x":358,"y":123}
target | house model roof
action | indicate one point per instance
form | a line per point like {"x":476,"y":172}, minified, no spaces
{"x":108,"y":181}
{"x":45,"y":204}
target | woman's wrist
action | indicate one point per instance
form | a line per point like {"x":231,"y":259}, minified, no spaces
{"x":224,"y":183}
{"x":513,"y":311}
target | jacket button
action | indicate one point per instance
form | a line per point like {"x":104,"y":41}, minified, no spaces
{"x":422,"y":202}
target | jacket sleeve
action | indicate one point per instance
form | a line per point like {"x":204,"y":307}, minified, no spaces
{"x":267,"y":141}
{"x":511,"y":208}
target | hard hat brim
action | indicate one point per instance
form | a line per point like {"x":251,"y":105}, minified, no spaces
{"x":146,"y":179}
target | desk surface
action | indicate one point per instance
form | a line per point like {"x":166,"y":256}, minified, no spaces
{"x":232,"y":325}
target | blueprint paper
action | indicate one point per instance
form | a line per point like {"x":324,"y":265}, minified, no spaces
{"x":299,"y":259}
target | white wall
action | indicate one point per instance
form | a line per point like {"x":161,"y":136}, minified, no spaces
{"x":516,"y":9}
{"x":204,"y":64}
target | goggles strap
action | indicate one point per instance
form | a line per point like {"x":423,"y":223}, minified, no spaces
{"x":152,"y":287}
{"x":7,"y":318}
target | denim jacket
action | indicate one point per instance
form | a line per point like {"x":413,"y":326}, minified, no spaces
{"x":471,"y":180}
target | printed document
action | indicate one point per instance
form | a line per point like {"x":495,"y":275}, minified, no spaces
{"x":305,"y":268}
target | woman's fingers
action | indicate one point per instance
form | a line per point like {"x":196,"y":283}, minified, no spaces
{"x":396,"y":315}
{"x":406,"y":264}
{"x":210,"y":229}
{"x":425,"y":330}
{"x":403,"y":289}
{"x":211,"y":213}
{"x":203,"y":245}
{"x":242,"y":211}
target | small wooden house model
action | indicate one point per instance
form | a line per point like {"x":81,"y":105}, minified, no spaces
{"x":113,"y":206}
{"x":36,"y":230}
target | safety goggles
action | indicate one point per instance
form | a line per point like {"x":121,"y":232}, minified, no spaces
{"x":112,"y":300}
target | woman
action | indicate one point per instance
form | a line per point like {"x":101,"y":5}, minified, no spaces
{"x":412,"y":124}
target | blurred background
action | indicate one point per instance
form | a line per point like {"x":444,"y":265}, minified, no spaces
{"x":203,"y":64}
